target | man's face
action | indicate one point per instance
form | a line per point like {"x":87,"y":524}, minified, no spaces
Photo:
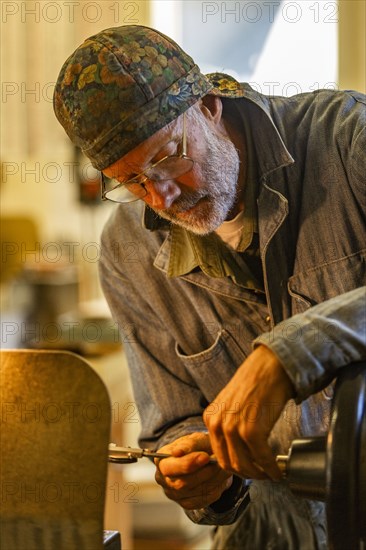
{"x":201,"y":199}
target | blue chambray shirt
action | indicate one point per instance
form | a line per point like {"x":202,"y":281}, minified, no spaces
{"x":185,"y":336}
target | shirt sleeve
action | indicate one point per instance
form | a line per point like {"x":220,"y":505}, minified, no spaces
{"x":227,"y":509}
{"x":313,"y":345}
{"x":353,"y":148}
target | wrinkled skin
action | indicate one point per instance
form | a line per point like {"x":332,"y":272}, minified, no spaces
{"x":187,"y":477}
{"x":257,"y":394}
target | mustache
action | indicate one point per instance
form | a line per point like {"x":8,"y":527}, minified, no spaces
{"x":186,"y":201}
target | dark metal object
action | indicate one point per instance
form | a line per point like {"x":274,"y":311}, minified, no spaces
{"x":111,"y":540}
{"x":126,"y":455}
{"x":346,"y":465}
{"x":333,"y":468}
{"x":304,"y":467}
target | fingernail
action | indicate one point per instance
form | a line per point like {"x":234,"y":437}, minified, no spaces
{"x":229,"y":482}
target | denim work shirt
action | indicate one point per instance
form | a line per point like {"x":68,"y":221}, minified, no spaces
{"x":185,"y":336}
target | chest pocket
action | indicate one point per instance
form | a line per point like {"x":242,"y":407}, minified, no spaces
{"x":327,"y":281}
{"x":212,"y":368}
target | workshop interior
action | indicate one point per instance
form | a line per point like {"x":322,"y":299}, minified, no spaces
{"x":57,"y":333}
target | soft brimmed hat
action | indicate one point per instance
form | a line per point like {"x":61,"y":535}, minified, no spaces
{"x":124,"y":84}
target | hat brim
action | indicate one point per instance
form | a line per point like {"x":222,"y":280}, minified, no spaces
{"x":224,"y":85}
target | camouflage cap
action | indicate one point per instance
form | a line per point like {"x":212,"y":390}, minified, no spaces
{"x":124,"y":84}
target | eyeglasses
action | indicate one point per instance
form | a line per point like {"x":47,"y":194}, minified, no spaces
{"x":169,"y":167}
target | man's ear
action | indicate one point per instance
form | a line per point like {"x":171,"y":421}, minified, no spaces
{"x":211,"y":107}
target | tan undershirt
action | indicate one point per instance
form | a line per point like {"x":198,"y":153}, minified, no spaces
{"x":231,"y":231}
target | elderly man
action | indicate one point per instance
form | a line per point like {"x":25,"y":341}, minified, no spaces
{"x":234,"y":266}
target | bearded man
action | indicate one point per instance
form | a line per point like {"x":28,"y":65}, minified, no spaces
{"x":241,"y":297}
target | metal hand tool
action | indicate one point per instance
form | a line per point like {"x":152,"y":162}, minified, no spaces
{"x":127,"y":455}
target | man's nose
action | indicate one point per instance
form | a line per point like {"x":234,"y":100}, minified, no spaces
{"x":161,"y":194}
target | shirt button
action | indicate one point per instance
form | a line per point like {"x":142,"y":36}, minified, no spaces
{"x":268,"y":319}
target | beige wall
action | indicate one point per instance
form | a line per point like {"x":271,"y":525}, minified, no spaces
{"x":352,"y":44}
{"x":36,"y":38}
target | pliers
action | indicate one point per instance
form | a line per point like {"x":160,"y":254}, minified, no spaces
{"x":127,"y":455}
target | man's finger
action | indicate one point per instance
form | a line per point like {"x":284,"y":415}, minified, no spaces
{"x":183,"y":465}
{"x":241,"y":459}
{"x":262,"y":455}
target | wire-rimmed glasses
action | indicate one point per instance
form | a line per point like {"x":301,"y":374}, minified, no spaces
{"x":169,"y":167}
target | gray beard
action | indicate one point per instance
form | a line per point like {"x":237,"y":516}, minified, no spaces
{"x":220,"y":173}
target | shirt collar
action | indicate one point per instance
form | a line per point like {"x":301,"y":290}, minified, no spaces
{"x":183,"y":252}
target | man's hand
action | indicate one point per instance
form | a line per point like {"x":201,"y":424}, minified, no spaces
{"x":187,"y":477}
{"x":242,"y":416}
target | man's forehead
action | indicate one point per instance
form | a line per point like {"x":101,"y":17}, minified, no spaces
{"x":145,"y":150}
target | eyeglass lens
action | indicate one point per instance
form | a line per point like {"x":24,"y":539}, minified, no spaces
{"x":170,"y":167}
